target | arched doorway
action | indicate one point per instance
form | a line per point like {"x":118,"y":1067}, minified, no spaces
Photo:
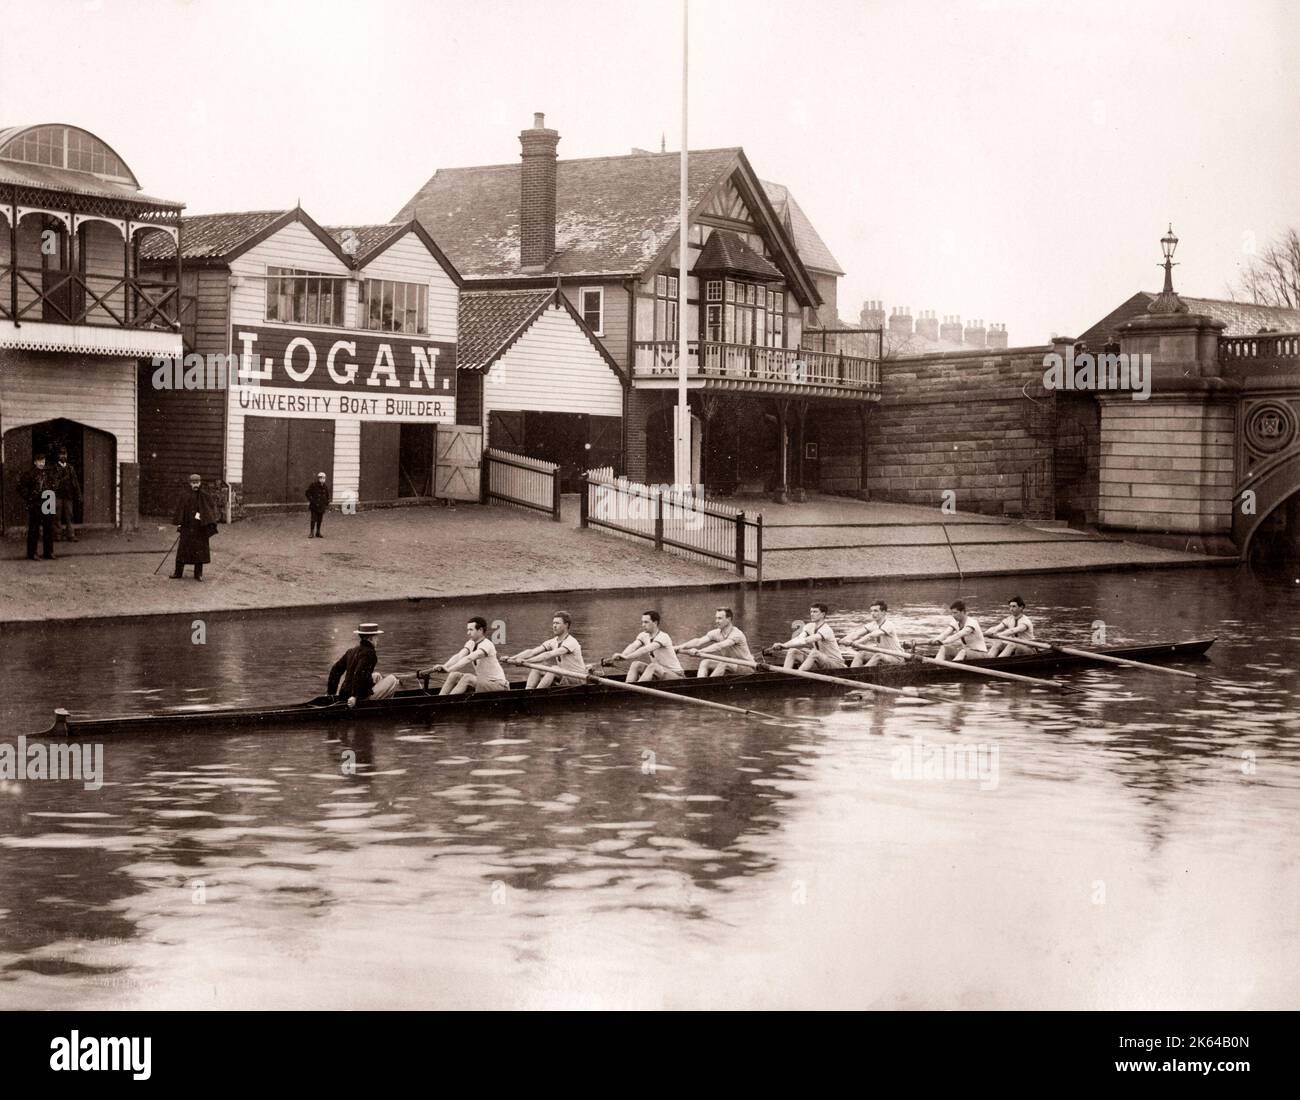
{"x":91,"y":453}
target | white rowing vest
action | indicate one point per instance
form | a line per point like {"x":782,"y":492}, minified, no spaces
{"x":734,"y":644}
{"x":1010,"y":624}
{"x":885,"y":636}
{"x":484,"y":658}
{"x":572,"y":659}
{"x":973,"y":639}
{"x":664,"y":655}
{"x":822,"y":640}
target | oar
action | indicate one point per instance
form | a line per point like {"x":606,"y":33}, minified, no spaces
{"x":650,"y":691}
{"x":961,"y":666}
{"x":857,"y":685}
{"x":1092,"y":655}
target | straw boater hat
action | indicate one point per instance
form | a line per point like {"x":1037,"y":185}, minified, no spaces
{"x":368,"y":630}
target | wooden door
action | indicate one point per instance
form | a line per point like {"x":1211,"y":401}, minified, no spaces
{"x":506,"y":431}
{"x":381,"y":446}
{"x":416,"y":460}
{"x":99,"y":486}
{"x":460,"y":449}
{"x":604,"y":442}
{"x":17,"y":458}
{"x":266,"y":448}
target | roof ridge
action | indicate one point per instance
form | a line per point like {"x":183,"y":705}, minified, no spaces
{"x":585,"y":160}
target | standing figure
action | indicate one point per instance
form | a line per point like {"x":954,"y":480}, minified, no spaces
{"x":318,"y":499}
{"x":196,"y":519}
{"x":67,"y":488}
{"x":36,"y":488}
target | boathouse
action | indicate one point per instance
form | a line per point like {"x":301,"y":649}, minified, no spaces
{"x":78,"y":310}
{"x":340,"y":353}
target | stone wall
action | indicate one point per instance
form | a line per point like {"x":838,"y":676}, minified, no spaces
{"x":978,"y":423}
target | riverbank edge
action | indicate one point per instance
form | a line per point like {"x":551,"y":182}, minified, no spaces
{"x":377,"y":606}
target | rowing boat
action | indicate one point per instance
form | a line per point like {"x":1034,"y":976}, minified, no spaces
{"x":418,"y":704}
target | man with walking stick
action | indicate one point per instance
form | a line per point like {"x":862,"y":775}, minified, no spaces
{"x":196,"y":519}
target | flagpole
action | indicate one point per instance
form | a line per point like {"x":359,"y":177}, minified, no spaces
{"x":682,"y":451}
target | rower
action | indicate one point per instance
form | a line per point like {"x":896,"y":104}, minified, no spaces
{"x":726,"y":640}
{"x":1004,"y":632}
{"x":353,"y":676}
{"x":562,"y":649}
{"x":815,"y":642}
{"x":652,"y":654}
{"x":880,"y":632}
{"x":475,"y":667}
{"x":961,"y":636}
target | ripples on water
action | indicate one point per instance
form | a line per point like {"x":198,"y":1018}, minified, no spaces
{"x":1133,"y":847}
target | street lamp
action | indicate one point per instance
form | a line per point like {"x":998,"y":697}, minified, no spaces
{"x":1167,"y":301}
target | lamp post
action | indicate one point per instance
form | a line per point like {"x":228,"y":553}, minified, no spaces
{"x":1167,"y":301}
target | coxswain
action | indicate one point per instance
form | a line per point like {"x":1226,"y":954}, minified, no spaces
{"x":1004,"y":633}
{"x":880,"y":633}
{"x":562,"y":649}
{"x":652,"y":654}
{"x":353,"y":676}
{"x":726,"y":639}
{"x":815,"y":642}
{"x":474,"y":667}
{"x":961,"y":636}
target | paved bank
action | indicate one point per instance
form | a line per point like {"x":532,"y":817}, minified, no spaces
{"x":437,"y":553}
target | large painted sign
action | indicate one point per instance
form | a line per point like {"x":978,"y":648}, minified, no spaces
{"x":340,"y":375}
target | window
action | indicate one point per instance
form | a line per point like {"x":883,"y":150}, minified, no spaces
{"x":304,"y":297}
{"x":387,"y":306}
{"x":591,"y":304}
{"x":665,"y":307}
{"x":753,"y":314}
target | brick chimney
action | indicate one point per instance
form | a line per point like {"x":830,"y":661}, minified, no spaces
{"x":975,"y":335}
{"x":537,"y":195}
{"x":951,"y":328}
{"x":872,"y":314}
{"x":927,"y":325}
{"x":997,"y":336}
{"x":900,"y":322}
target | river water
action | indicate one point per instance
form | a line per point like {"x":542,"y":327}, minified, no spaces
{"x":1132,"y":846}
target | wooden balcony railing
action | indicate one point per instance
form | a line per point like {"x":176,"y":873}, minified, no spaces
{"x":72,"y":298}
{"x":743,"y":363}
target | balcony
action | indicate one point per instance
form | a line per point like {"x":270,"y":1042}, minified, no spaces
{"x":52,"y":309}
{"x":786,"y":372}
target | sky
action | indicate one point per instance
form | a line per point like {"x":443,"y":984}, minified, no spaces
{"x":1015,"y":161}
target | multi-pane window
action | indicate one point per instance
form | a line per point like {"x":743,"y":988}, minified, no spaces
{"x":388,"y":306}
{"x":591,"y":301}
{"x":64,"y":147}
{"x":665,"y":307}
{"x":304,"y":297}
{"x":743,"y":313}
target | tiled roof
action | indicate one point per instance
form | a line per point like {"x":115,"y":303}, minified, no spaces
{"x":49,"y":178}
{"x":812,"y":249}
{"x":209,"y":236}
{"x":491,"y":319}
{"x":613,"y":214}
{"x":1241,"y":318}
{"x":368,"y":237}
{"x":725,"y":251}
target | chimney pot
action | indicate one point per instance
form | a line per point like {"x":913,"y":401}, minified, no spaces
{"x":539,"y":120}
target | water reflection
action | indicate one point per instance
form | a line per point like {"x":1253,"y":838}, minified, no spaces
{"x":640,"y":855}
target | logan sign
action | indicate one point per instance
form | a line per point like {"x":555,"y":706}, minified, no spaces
{"x":344,"y":376}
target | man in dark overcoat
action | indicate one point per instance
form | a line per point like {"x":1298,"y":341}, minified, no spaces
{"x":36,"y":487}
{"x":196,"y":518}
{"x":318,"y":500}
{"x":67,"y":487}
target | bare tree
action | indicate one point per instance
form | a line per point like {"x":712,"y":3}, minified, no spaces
{"x":1272,"y":278}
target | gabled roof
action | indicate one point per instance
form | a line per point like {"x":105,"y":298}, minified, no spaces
{"x":615,"y":216}
{"x":490,"y":322}
{"x":812,"y":249}
{"x":374,"y":240}
{"x":210,"y":236}
{"x":1241,"y":318}
{"x":725,"y":251}
{"x":220,"y":238}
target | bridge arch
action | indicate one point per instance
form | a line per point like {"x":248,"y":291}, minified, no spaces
{"x":1273,"y":482}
